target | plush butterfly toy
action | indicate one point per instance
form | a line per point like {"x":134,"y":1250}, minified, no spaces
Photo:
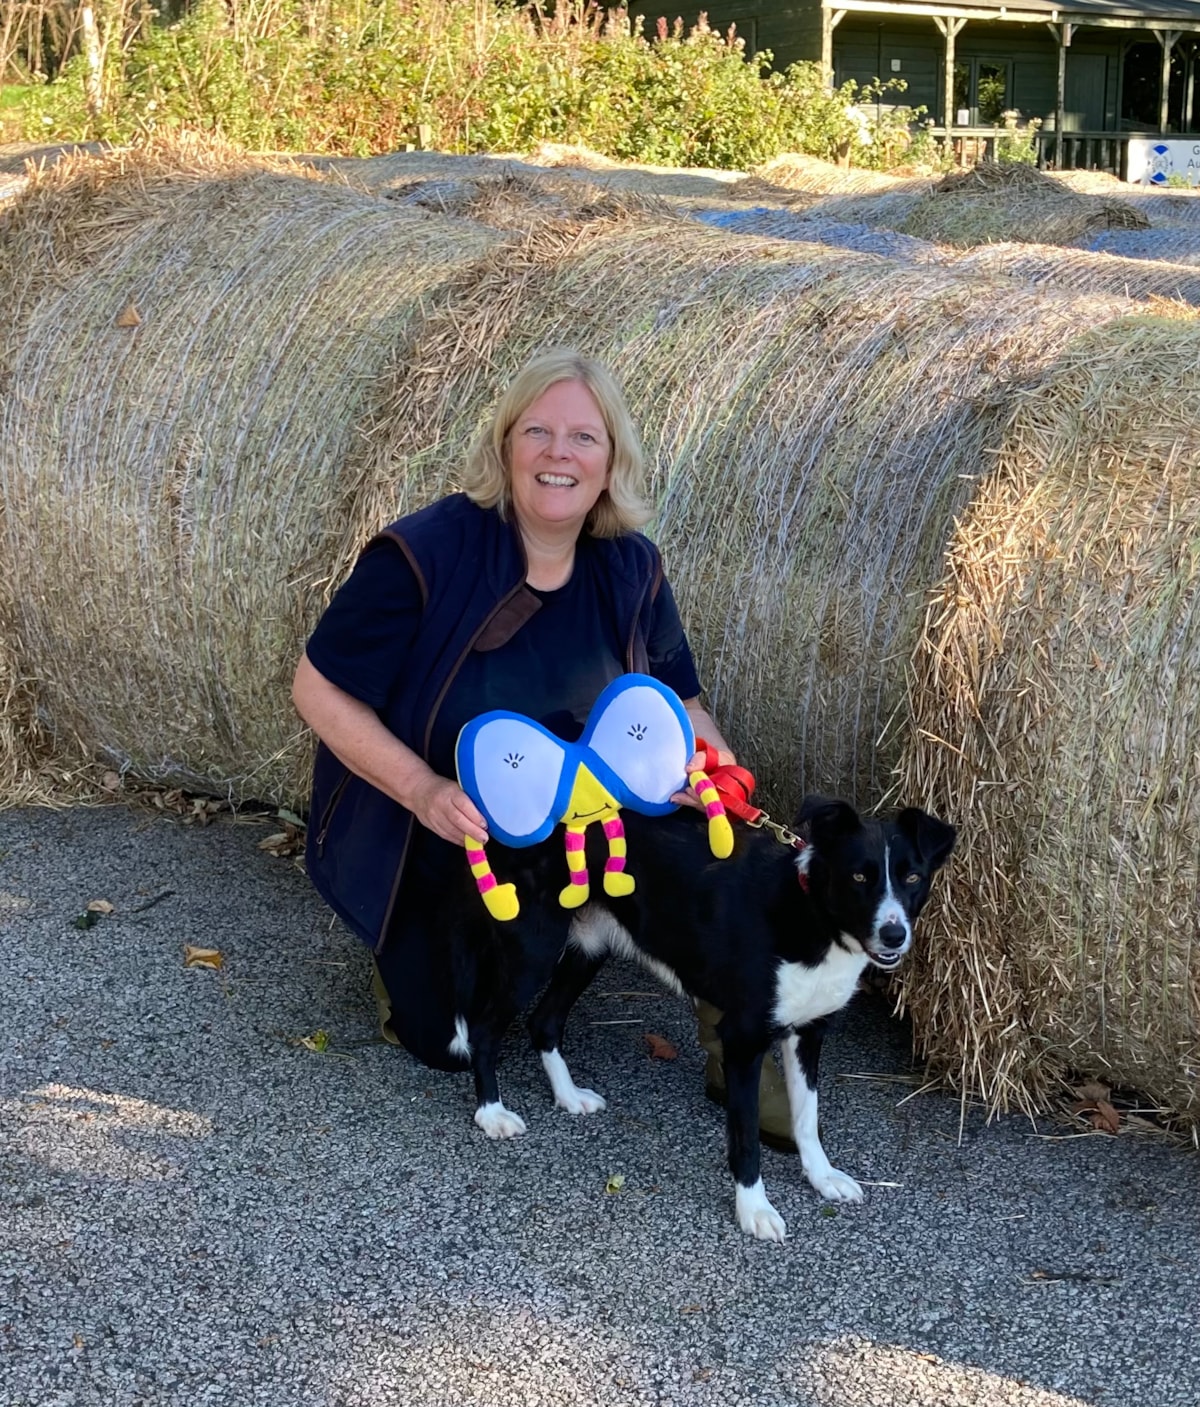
{"x":634,"y":752}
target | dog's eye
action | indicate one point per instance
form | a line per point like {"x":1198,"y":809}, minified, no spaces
{"x":858,"y":877}
{"x":912,"y":878}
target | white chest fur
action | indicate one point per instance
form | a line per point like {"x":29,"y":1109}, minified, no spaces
{"x":804,"y":994}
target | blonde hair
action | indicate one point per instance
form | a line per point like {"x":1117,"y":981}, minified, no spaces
{"x":622,"y":506}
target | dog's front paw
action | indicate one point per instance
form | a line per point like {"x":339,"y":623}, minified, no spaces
{"x":756,"y":1216}
{"x":580,"y":1101}
{"x":836,"y":1186}
{"x":498,"y":1122}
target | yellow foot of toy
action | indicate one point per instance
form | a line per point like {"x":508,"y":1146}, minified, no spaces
{"x":502,"y":902}
{"x":720,"y":837}
{"x":574,"y":895}
{"x":618,"y":884}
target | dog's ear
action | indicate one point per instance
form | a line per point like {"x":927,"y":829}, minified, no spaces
{"x":932,"y":839}
{"x":827,"y":819}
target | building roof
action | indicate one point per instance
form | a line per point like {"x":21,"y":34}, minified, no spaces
{"x":1116,"y":14}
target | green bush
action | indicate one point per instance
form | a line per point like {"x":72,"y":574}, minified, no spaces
{"x":365,"y":76}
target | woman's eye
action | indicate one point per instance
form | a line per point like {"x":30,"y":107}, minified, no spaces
{"x":586,"y":438}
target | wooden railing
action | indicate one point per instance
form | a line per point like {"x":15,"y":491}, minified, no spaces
{"x":1081,"y":151}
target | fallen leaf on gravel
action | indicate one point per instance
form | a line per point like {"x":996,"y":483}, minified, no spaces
{"x":202,"y":957}
{"x":660,"y":1047}
{"x":317,"y":1042}
{"x":204,"y":808}
{"x":615,"y":1183}
{"x":1094,"y":1104}
{"x":284,"y":842}
{"x":99,"y":906}
{"x":88,"y":919}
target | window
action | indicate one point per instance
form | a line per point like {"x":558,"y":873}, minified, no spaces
{"x":981,"y":89}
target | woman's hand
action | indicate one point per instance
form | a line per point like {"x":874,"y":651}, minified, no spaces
{"x":689,"y":797}
{"x":444,"y":808}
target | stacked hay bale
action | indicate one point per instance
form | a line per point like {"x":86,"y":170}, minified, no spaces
{"x":1141,"y":279}
{"x":1053,"y":712}
{"x":196,"y":481}
{"x":991,"y":202}
{"x":814,"y":420}
{"x":188,"y":342}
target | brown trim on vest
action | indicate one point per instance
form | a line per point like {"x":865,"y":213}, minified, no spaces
{"x":512,"y":615}
{"x":409,"y":557}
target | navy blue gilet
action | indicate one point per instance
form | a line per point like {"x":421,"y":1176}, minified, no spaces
{"x":470,"y":565}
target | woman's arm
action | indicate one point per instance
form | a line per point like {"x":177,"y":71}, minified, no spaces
{"x":704,"y":727}
{"x":356,"y":735}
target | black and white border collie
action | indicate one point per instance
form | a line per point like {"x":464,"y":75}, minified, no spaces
{"x":776,"y":938}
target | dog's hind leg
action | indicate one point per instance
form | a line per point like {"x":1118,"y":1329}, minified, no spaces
{"x":801,"y":1056}
{"x":755,"y":1214}
{"x":574,"y":972}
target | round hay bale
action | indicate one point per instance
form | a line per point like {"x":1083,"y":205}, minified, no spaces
{"x":1054,"y":714}
{"x":990,"y":203}
{"x":1174,"y":244}
{"x":1079,"y":269}
{"x":193,"y":340}
{"x":813,"y":421}
{"x":794,"y":171}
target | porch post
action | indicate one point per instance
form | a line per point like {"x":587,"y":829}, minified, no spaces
{"x":950,"y":29}
{"x":1167,"y":38}
{"x":830,"y":19}
{"x":1063,"y":34}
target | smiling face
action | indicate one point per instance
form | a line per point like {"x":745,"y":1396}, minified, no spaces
{"x":559,"y":452}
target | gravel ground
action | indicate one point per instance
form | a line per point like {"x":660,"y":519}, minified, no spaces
{"x":195,"y":1208}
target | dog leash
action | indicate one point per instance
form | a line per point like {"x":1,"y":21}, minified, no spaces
{"x":734,"y":786}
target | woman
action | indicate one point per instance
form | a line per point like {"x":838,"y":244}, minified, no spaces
{"x":529,"y":591}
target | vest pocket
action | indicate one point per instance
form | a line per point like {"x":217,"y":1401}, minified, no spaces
{"x":330,"y":808}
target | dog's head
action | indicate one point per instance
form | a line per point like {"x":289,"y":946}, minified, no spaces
{"x":871,"y":877}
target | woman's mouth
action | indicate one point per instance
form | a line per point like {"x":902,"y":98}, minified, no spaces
{"x":557,"y":481}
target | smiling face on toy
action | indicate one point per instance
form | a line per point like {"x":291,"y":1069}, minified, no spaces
{"x":589,"y":801}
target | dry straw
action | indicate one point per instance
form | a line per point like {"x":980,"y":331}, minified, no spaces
{"x":1079,"y":269}
{"x":1054,"y":714}
{"x":989,"y":203}
{"x":190,"y":340}
{"x":813,"y":418}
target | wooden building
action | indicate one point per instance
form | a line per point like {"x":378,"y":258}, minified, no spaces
{"x":1093,"y":72}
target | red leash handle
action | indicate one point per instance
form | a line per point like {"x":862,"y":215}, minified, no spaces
{"x":734,"y":784}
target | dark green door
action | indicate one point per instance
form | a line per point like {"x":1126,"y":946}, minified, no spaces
{"x":1083,"y":106}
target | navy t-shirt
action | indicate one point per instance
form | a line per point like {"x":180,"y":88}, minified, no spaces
{"x":552,"y":670}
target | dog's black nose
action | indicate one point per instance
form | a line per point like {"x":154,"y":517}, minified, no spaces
{"x":893,"y":935}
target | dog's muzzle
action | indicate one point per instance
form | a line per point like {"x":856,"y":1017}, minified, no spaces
{"x":891,"y":944}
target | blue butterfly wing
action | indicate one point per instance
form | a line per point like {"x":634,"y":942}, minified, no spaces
{"x":515,"y":771}
{"x":640,"y":733}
